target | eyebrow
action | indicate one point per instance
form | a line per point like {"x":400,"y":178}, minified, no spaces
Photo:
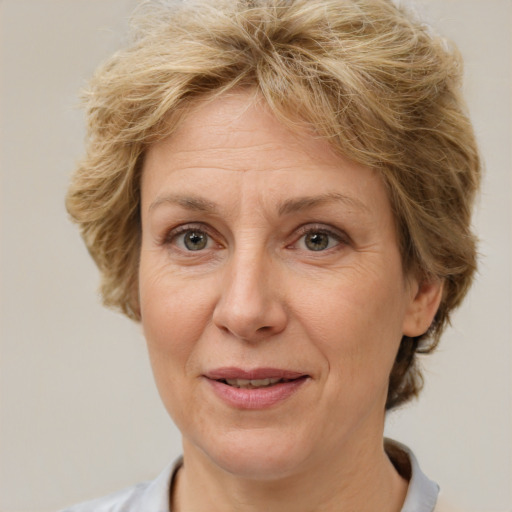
{"x":305,"y":203}
{"x":192,"y":203}
{"x":199,"y":204}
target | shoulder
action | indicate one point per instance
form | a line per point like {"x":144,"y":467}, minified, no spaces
{"x":123,"y":500}
{"x":444,"y":505}
{"x":147,"y":496}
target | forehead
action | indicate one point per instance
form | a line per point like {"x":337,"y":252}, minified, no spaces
{"x":236,"y":138}
{"x":233,"y":122}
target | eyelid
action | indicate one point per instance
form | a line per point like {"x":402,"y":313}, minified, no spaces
{"x":322,"y":228}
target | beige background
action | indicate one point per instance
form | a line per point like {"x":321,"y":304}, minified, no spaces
{"x":79,"y":415}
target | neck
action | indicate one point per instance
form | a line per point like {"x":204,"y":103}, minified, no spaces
{"x":361,"y":481}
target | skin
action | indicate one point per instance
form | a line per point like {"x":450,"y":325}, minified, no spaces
{"x":256,"y":295}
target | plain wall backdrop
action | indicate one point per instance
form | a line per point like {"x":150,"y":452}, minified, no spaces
{"x":79,"y":413}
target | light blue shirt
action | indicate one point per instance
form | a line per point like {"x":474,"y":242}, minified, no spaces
{"x":153,"y":496}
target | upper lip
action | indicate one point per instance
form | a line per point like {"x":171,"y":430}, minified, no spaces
{"x":252,"y":374}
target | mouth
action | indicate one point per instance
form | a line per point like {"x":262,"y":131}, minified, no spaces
{"x":253,"y":378}
{"x":255,"y":389}
{"x":255,"y":383}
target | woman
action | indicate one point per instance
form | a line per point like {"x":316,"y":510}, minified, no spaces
{"x":280,"y":191}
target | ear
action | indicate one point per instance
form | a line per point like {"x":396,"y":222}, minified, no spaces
{"x":425,"y":299}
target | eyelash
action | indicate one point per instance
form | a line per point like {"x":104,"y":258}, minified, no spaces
{"x":340,"y":238}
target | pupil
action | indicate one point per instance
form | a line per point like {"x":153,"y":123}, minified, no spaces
{"x":317,"y":241}
{"x":195,"y":241}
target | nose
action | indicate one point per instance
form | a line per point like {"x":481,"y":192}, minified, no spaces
{"x":249,"y":307}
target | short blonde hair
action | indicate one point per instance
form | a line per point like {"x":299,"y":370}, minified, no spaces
{"x":364,"y":74}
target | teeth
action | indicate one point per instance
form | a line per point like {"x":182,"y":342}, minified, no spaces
{"x":254,"y":383}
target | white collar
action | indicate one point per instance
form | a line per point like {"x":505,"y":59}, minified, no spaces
{"x":422,"y":492}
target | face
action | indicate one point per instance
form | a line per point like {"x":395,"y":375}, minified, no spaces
{"x":272,"y":294}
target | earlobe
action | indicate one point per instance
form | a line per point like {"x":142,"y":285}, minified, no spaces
{"x":426,"y":297}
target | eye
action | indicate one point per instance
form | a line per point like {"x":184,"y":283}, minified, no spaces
{"x":191,"y":239}
{"x":195,"y":240}
{"x":316,"y":239}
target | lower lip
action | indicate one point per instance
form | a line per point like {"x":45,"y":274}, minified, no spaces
{"x":260,"y":398}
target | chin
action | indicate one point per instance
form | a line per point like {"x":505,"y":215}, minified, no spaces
{"x":257,"y":455}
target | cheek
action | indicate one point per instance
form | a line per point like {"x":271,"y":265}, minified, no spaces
{"x":356,"y":324}
{"x":174,"y":314}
